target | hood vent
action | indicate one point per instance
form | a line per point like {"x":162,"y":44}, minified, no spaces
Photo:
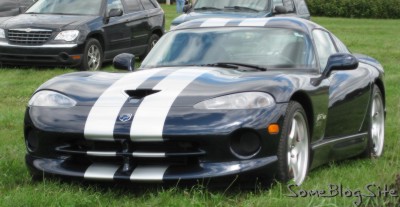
{"x":141,"y":93}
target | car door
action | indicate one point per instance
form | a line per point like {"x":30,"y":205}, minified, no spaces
{"x":117,"y":32}
{"x":138,"y":26}
{"x":348,"y":93}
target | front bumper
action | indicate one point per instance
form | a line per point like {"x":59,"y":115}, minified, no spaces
{"x":41,"y":55}
{"x":194,"y":146}
{"x":262,"y":167}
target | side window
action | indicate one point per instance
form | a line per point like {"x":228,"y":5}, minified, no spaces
{"x":114,"y":4}
{"x":302,"y":7}
{"x":147,"y":4}
{"x":324,"y":45}
{"x":342,"y":48}
{"x":278,"y":3}
{"x":289,"y":5}
{"x":133,"y":5}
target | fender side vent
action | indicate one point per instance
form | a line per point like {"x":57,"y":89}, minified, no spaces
{"x":141,"y":93}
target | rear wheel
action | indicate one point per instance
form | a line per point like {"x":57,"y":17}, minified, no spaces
{"x":376,"y":132}
{"x":92,"y":55}
{"x":294,"y":146}
{"x":152,"y":41}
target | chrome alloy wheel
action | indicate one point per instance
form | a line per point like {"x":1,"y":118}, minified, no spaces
{"x":298,"y":149}
{"x":377,"y":125}
{"x":93,"y":57}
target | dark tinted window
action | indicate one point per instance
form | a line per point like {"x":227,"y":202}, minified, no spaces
{"x":133,"y":5}
{"x":147,"y":4}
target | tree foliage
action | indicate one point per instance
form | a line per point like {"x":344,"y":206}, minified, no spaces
{"x":382,"y":9}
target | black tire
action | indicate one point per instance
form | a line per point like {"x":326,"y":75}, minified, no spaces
{"x":92,"y":55}
{"x":152,"y":41}
{"x":301,"y":143}
{"x":373,"y":150}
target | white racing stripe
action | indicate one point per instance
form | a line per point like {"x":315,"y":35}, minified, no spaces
{"x":103,"y":115}
{"x":148,"y":123}
{"x":259,"y":22}
{"x":148,"y":173}
{"x":215,"y":22}
{"x":101,"y":172}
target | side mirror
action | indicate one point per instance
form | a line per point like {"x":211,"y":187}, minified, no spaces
{"x":340,"y":61}
{"x":115,"y":13}
{"x":124,"y":61}
{"x":187,"y":8}
{"x":280,"y":9}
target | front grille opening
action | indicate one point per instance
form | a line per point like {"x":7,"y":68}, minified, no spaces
{"x":174,"y":153}
{"x":28,"y":37}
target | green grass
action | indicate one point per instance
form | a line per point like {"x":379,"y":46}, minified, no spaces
{"x":377,"y":38}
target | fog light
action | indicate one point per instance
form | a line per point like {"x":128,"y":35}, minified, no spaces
{"x":32,"y":141}
{"x":245,"y":145}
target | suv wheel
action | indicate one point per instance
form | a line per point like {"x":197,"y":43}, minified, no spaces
{"x":152,"y":41}
{"x":92,"y":55}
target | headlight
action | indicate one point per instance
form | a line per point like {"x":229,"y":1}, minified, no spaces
{"x":2,"y":33}
{"x":248,"y":100}
{"x":69,"y":35}
{"x":51,"y":99}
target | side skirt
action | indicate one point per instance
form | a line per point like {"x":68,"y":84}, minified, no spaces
{"x":334,"y":149}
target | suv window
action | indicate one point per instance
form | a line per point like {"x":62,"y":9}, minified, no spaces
{"x":114,"y":4}
{"x":324,"y":45}
{"x":288,"y":4}
{"x":147,"y":4}
{"x":302,"y":7}
{"x":133,"y":5}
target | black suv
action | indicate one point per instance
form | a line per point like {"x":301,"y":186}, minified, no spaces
{"x":13,"y":7}
{"x":82,"y":33}
{"x":242,"y":9}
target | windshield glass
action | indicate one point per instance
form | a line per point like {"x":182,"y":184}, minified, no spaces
{"x":79,"y":7}
{"x":223,"y":4}
{"x":267,"y":47}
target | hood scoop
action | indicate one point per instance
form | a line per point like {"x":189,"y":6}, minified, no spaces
{"x":140,"y":93}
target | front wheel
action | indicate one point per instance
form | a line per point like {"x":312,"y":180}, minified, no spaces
{"x":92,"y":55}
{"x":376,"y":132}
{"x":294,"y":145}
{"x":152,"y":42}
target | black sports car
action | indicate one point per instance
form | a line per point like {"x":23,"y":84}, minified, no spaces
{"x":214,"y":98}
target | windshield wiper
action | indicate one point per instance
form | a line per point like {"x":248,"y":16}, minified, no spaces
{"x":241,"y":8}
{"x":236,"y":66}
{"x":207,"y":8}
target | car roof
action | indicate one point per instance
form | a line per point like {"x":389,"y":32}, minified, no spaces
{"x":271,"y":22}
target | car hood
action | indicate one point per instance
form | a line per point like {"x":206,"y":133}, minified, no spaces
{"x":213,"y":14}
{"x":186,"y":86}
{"x":46,"y":21}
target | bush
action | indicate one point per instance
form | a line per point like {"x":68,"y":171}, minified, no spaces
{"x":383,"y":9}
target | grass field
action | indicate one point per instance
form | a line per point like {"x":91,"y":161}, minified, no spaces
{"x":377,"y":38}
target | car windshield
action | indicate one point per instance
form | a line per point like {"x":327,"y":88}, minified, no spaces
{"x":269,"y":48}
{"x":256,"y":5}
{"x":71,"y":7}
